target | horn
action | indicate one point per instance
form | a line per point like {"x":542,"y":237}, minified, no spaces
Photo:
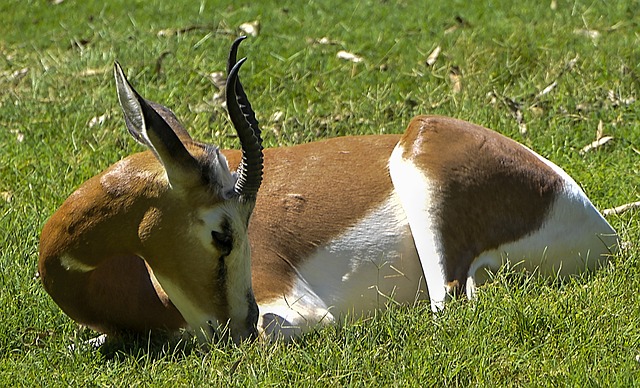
{"x":245,"y":106}
{"x":243,"y":118}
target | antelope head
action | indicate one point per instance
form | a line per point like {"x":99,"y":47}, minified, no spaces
{"x":193,"y":234}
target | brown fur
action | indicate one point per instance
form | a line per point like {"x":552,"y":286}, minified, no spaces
{"x":110,"y":298}
{"x":310,"y":194}
{"x":490,"y":190}
{"x":105,"y":224}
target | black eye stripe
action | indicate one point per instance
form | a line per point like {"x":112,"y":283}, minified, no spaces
{"x":223,"y":239}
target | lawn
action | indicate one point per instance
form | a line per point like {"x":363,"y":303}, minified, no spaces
{"x":553,"y":75}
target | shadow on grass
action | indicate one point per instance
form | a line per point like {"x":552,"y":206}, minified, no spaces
{"x":151,"y":346}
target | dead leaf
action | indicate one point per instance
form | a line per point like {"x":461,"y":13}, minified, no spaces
{"x":600,"y":139}
{"x":460,"y":23}
{"x":570,"y":64}
{"x":593,"y":34}
{"x":431,"y":59}
{"x":15,"y":76}
{"x":548,"y":89}
{"x":79,"y":43}
{"x":98,"y":120}
{"x":161,"y":58}
{"x":516,"y":111}
{"x":553,"y":5}
{"x":176,"y":31}
{"x":277,"y":116}
{"x":19,"y":135}
{"x":219,"y":79}
{"x":621,"y":209}
{"x":583,"y":107}
{"x":347,"y":56}
{"x":89,"y":72}
{"x":600,"y":130}
{"x":166,"y":32}
{"x":536,"y":110}
{"x":596,"y":144}
{"x":456,"y":79}
{"x":617,"y":101}
{"x":324,"y":41}
{"x":7,"y":196}
{"x":250,"y":28}
{"x":522,"y":126}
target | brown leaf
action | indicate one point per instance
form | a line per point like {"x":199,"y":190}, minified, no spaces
{"x":600,"y":139}
{"x":596,"y":144}
{"x":324,"y":41}
{"x":456,"y":79}
{"x":621,"y":209}
{"x":6,"y":196}
{"x":219,"y":79}
{"x":176,"y":31}
{"x":600,"y":130}
{"x":250,"y":28}
{"x":516,"y":111}
{"x":14,"y":76}
{"x":277,"y":116}
{"x":617,"y":101}
{"x":89,"y":72}
{"x":548,"y":89}
{"x":347,"y":56}
{"x":593,"y":34}
{"x":97,"y":120}
{"x":161,"y":58}
{"x":19,"y":135}
{"x":460,"y":23}
{"x":431,"y":59}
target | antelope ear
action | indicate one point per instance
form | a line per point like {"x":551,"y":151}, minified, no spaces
{"x":150,"y":129}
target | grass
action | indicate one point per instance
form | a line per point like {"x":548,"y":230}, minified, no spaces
{"x":495,"y":63}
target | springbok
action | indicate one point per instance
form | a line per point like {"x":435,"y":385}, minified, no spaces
{"x":169,"y":238}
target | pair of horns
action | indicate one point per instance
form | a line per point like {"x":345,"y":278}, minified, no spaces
{"x":138,"y":113}
{"x":244,"y":121}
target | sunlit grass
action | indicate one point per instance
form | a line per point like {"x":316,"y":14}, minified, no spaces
{"x":556,"y":72}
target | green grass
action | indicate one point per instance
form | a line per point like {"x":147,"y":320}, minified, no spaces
{"x":521,"y":330}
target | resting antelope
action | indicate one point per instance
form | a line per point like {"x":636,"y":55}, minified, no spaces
{"x":172,"y":238}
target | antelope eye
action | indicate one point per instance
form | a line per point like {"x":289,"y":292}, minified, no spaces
{"x":223,"y":240}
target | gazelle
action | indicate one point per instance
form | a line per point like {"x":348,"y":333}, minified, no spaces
{"x":170,"y":237}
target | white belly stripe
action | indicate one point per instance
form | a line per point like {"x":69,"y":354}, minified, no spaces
{"x":371,"y":264}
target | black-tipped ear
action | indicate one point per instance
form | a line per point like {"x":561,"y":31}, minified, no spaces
{"x":128,"y":98}
{"x":150,"y":129}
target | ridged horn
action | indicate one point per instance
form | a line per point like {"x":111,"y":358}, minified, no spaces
{"x":244,"y":121}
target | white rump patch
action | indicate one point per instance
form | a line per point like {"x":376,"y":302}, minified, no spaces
{"x":573,"y":238}
{"x":414,"y":189}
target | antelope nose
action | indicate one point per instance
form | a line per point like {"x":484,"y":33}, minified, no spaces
{"x":249,"y":334}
